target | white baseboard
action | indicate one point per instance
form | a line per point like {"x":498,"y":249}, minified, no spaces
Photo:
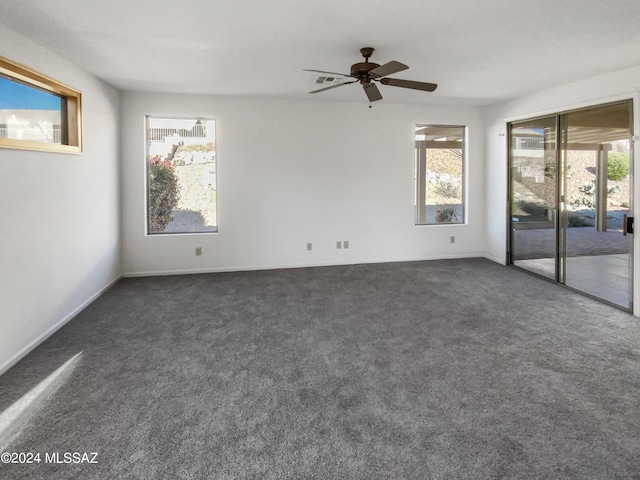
{"x":501,"y":261}
{"x":245,"y":268}
{"x":41,"y":338}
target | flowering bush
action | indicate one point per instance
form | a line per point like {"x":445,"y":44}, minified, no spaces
{"x":164,"y":193}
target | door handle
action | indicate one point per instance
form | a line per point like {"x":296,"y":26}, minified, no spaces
{"x":627,"y":225}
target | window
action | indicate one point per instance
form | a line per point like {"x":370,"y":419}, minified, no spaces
{"x":181,"y":174}
{"x":439,"y":174}
{"x":36,"y":112}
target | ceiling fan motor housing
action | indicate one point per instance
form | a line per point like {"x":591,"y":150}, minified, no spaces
{"x":362,"y":69}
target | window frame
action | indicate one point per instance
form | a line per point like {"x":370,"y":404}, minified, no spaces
{"x":420,"y":178}
{"x":71,"y":110}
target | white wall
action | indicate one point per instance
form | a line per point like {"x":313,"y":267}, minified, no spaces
{"x":614,"y":86}
{"x":292,"y":172}
{"x":59,"y":227}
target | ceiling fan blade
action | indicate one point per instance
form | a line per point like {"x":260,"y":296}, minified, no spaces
{"x":332,"y":86}
{"x":396,"y":82}
{"x":330,"y":73}
{"x":371,"y":89}
{"x":387,"y":69}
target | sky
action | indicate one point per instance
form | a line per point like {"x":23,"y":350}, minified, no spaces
{"x":16,"y":96}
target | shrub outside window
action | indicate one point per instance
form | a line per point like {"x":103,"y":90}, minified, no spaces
{"x":37,"y":112}
{"x":181,"y":174}
{"x":439,"y":174}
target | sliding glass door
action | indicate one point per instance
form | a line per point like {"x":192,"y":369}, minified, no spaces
{"x":534,"y":195}
{"x":570,"y":199}
{"x":597,"y":155}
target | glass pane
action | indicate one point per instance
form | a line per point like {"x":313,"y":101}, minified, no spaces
{"x":533,"y":195}
{"x":439,"y":174}
{"x":28,"y":113}
{"x":182,"y":175}
{"x":598,"y":187}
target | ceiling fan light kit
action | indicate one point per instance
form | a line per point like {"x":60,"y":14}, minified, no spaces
{"x":366,"y":73}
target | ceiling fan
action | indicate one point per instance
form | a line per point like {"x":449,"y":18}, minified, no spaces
{"x":368,"y":72}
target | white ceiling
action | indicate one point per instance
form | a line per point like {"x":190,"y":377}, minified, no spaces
{"x":478,"y":51}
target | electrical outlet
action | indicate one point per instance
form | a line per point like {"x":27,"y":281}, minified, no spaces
{"x":338,"y":244}
{"x":309,"y":246}
{"x":198,"y":251}
{"x":452,"y":239}
{"x":345,"y":244}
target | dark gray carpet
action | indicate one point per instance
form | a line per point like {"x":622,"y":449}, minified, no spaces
{"x":441,"y":369}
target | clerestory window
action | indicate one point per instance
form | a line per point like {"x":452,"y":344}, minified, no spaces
{"x":37,"y":112}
